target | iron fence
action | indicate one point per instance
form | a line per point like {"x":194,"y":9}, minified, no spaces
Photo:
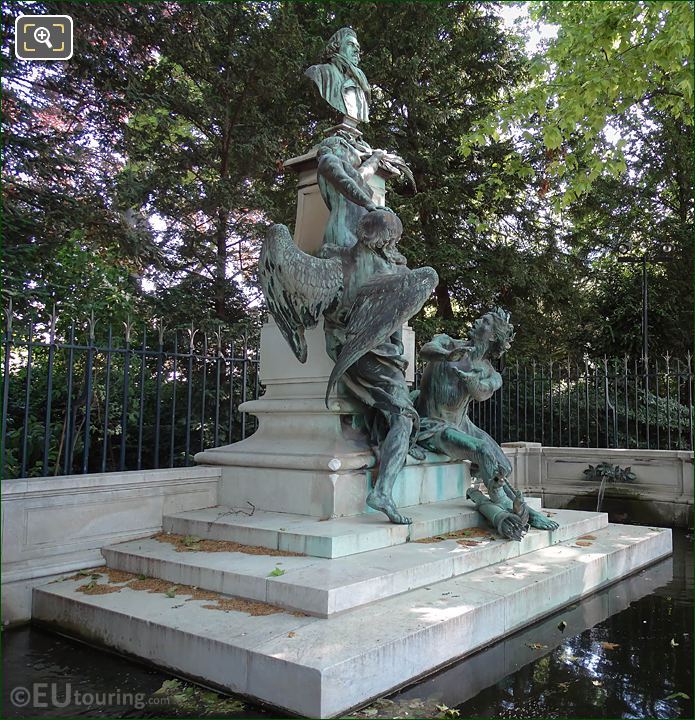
{"x":607,"y":403}
{"x":77,"y":402}
{"x":139,"y":399}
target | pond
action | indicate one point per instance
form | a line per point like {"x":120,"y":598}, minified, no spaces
{"x":624,"y":652}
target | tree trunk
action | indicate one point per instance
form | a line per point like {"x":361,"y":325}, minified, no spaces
{"x":444,"y":309}
{"x":220,"y":282}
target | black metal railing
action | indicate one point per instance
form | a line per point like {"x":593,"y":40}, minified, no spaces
{"x":138,"y":399}
{"x":607,"y":403}
{"x":76,"y":401}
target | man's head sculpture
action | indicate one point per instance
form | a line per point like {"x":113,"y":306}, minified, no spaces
{"x":379,"y":230}
{"x":343,"y":42}
{"x":494,"y":329}
{"x":339,"y":80}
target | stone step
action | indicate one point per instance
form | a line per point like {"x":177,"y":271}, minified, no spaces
{"x":319,"y":586}
{"x":318,"y":537}
{"x":321,"y":668}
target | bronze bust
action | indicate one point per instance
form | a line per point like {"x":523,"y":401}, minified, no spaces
{"x":339,"y":80}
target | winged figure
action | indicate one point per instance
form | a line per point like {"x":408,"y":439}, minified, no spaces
{"x":365,"y":293}
{"x":297,"y":286}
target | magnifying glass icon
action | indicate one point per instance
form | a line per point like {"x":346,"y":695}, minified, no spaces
{"x":41,"y":35}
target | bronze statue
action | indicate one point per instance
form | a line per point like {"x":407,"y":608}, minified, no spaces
{"x":458,"y":372}
{"x":365,"y":298}
{"x":339,"y":80}
{"x":345,"y":165}
{"x":342,"y":179}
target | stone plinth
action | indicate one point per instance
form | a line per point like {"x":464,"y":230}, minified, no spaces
{"x":306,"y":458}
{"x":429,"y":605}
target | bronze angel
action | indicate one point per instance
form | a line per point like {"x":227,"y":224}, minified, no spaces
{"x":365,"y":293}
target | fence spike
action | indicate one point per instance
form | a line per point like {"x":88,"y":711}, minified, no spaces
{"x":92,"y":324}
{"x":160,"y":329}
{"x":128,"y":325}
{"x":191,"y":337}
{"x":8,"y":316}
{"x":52,"y":325}
{"x":218,"y":335}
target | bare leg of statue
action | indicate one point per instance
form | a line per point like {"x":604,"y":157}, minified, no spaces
{"x":393,"y":453}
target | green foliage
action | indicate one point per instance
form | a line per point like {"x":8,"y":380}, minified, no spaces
{"x":65,"y":239}
{"x":194,"y":701}
{"x":437,"y":72}
{"x":207,"y":128}
{"x":647,"y":210}
{"x":211,"y":418}
{"x":192,"y":542}
{"x":607,"y":62}
{"x":139,"y":175}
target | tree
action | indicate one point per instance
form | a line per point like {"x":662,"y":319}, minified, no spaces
{"x":608,"y":62}
{"x":66,"y":238}
{"x":642,"y":212}
{"x":179,"y":116}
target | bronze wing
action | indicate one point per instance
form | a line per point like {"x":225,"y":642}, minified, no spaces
{"x":381,"y":307}
{"x":297,"y":286}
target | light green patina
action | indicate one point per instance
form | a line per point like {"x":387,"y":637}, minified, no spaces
{"x":458,"y":372}
{"x":339,"y":80}
{"x":345,"y":165}
{"x":360,"y":282}
{"x":361,"y":285}
{"x":365,"y":297}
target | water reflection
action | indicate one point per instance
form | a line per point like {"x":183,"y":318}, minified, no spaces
{"x":625,"y":652}
{"x":58,"y":671}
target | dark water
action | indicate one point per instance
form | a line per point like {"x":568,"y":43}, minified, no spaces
{"x":625,"y":652}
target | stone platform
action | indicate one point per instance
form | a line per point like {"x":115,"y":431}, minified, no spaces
{"x":377,"y":611}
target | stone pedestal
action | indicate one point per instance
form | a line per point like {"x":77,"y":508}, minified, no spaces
{"x":306,"y":458}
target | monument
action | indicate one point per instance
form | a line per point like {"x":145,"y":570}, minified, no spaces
{"x":345,"y":558}
{"x":362,"y":287}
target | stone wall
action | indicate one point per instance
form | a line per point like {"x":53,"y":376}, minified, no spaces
{"x":662,"y":493}
{"x":53,"y":526}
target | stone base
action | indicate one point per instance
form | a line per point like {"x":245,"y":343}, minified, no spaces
{"x":326,"y":494}
{"x":306,"y":458}
{"x":429,"y":605}
{"x":52,"y":526}
{"x":465,"y":680}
